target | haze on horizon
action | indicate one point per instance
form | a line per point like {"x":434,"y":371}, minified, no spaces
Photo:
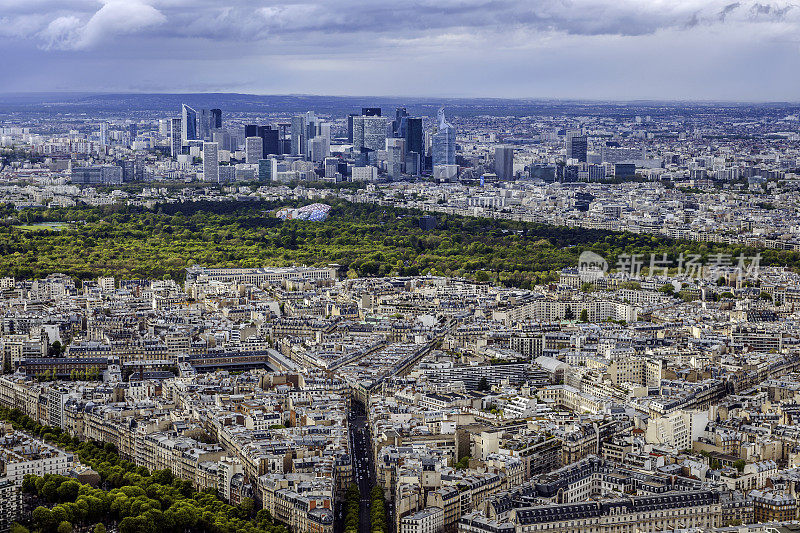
{"x":582,"y":49}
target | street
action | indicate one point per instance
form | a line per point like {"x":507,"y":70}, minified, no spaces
{"x":363,"y":469}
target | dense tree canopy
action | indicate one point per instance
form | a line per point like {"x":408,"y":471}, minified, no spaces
{"x":366,"y":240}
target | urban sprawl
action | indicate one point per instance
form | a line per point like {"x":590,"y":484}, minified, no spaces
{"x":625,"y":394}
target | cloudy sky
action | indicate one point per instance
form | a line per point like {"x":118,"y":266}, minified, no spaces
{"x":597,"y":49}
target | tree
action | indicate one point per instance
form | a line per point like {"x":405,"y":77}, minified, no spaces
{"x":29,"y":484}
{"x":739,"y":465}
{"x":68,"y":491}
{"x":18,"y":528}
{"x":99,"y":528}
{"x":55,"y":349}
{"x":483,"y":384}
{"x":584,"y":315}
{"x":43,"y":518}
{"x":569,"y":314}
{"x":246,"y":506}
{"x":64,"y":527}
{"x":667,"y":289}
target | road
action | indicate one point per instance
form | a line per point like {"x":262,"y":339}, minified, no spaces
{"x":363,"y":469}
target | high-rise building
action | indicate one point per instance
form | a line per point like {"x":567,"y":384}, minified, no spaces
{"x":397,"y":145}
{"x":284,"y":137}
{"x":358,"y":132}
{"x":269,"y":140}
{"x":211,"y":162}
{"x":175,"y":136}
{"x":216,"y":119}
{"x":132,"y":131}
{"x":298,"y":135}
{"x":400,"y":115}
{"x":412,"y":163}
{"x":318,"y":149}
{"x":265,"y":170}
{"x":250,"y":130}
{"x":370,"y":111}
{"x":395,"y":156}
{"x":444,"y":142}
{"x":128,"y":168}
{"x":415,"y":137}
{"x":504,"y":162}
{"x":188,"y":124}
{"x":369,"y":131}
{"x":204,"y":125}
{"x":104,"y":133}
{"x":140,"y":160}
{"x":223,"y":139}
{"x":312,"y":128}
{"x":253,"y":149}
{"x":577,"y":146}
{"x":350,"y":127}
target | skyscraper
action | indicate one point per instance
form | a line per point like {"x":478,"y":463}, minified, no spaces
{"x":298,"y":135}
{"x":216,"y":119}
{"x":188,"y":124}
{"x":223,"y":139}
{"x":375,"y":132}
{"x":444,"y":142}
{"x":399,"y":118}
{"x":268,"y":135}
{"x":370,"y":111}
{"x":140,"y":159}
{"x":312,"y":130}
{"x":350,"y":127}
{"x":504,"y":162}
{"x":204,"y":125}
{"x":318,"y":149}
{"x":369,"y":131}
{"x":132,"y":131}
{"x":253,"y":149}
{"x":415,"y":138}
{"x":358,"y":132}
{"x":265,"y":170}
{"x":104,"y":133}
{"x":412,"y":163}
{"x":210,"y":162}
{"x":577,"y":146}
{"x":175,"y":136}
{"x":269,"y":140}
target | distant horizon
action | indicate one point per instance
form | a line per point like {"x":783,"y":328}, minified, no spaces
{"x":593,"y":100}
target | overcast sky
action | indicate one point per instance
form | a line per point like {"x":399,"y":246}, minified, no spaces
{"x":596,"y":49}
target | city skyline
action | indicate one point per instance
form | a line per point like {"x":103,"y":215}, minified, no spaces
{"x":596,"y":50}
